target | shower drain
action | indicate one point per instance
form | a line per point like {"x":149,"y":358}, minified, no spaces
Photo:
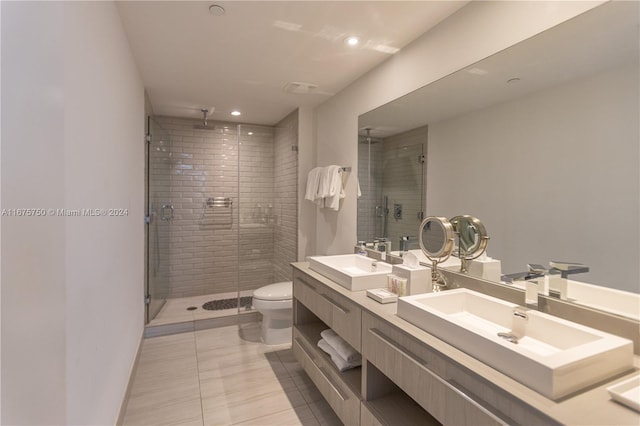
{"x":217,"y":305}
{"x":192,"y":308}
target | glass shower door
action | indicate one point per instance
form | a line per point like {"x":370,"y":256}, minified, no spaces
{"x":159,"y":217}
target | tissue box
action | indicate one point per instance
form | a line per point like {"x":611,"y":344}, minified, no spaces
{"x":418,"y":278}
{"x":488,"y":269}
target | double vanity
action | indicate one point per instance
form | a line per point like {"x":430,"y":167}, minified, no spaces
{"x":453,"y":357}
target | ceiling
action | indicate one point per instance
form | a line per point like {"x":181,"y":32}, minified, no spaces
{"x":191,"y":59}
{"x":603,"y":38}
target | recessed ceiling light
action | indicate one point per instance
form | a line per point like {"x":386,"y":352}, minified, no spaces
{"x":235,"y":113}
{"x":250,"y":133}
{"x":216,"y":10}
{"x":352,"y":41}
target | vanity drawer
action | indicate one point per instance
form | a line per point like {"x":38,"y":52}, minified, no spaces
{"x":344,"y":402}
{"x":414,"y":368}
{"x":307,"y":291}
{"x":335,"y":310}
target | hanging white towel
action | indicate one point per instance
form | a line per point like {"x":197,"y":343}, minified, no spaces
{"x":324,"y":187}
{"x":313,"y":181}
{"x":345,"y":350}
{"x":340,"y":362}
{"x":333,"y":187}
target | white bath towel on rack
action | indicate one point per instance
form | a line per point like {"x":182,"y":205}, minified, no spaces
{"x":313,"y":183}
{"x":334,"y":190}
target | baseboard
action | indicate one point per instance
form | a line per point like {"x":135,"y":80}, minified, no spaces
{"x":132,"y":375}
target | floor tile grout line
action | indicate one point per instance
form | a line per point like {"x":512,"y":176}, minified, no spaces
{"x":195,"y":343}
{"x":283,"y":356}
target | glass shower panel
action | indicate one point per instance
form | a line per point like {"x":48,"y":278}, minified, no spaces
{"x":402,"y":187}
{"x":370,"y":208}
{"x":256,"y":210}
{"x":160,"y":215}
{"x":267,"y":205}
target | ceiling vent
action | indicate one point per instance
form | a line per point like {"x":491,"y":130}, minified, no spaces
{"x":299,"y":88}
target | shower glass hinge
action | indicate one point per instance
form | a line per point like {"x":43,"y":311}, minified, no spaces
{"x":294,"y":148}
{"x":147,"y":138}
{"x":420,"y":215}
{"x":147,"y":300}
{"x":421,"y":158}
{"x":147,"y":219}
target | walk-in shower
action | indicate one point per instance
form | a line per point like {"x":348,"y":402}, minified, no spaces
{"x":392,"y":177}
{"x":222,"y":215}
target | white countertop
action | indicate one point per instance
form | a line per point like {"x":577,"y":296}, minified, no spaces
{"x":592,"y":406}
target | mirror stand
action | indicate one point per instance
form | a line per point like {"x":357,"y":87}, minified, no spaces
{"x":436,"y":240}
{"x":472,"y":239}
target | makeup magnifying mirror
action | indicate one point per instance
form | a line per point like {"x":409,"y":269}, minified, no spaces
{"x":437,"y":239}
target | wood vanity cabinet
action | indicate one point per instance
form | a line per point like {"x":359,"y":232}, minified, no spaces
{"x":316,"y":308}
{"x":449,"y":392}
{"x":402,"y":381}
{"x":333,"y":309}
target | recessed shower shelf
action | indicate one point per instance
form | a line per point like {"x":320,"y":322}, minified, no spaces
{"x":219,"y":202}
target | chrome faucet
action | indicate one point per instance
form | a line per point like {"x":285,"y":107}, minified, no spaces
{"x":567,"y":268}
{"x":518,"y":328}
{"x":405,"y":242}
{"x":558,"y":286}
{"x":384,"y":245}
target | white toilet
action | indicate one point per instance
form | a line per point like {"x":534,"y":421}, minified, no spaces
{"x":275,"y":303}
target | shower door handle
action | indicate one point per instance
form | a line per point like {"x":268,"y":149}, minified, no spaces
{"x":162,"y":215}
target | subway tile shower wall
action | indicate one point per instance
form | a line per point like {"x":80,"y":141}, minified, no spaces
{"x":404,"y":181}
{"x":286,"y":198}
{"x":213,"y":248}
{"x":390,"y":167}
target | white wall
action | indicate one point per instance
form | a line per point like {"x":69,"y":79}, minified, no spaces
{"x":553,"y":173}
{"x":473,"y":33}
{"x":72,"y":287}
{"x":306,"y":162}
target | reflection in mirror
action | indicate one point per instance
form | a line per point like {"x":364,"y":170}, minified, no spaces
{"x":472,"y":239}
{"x":541,"y":158}
{"x":391,"y":176}
{"x":436,"y":239}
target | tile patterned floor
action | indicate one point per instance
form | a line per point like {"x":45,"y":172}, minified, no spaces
{"x":222,"y":376}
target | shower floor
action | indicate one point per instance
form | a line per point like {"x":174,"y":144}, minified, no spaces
{"x":177,"y":310}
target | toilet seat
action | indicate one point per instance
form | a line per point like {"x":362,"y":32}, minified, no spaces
{"x":274,"y":292}
{"x":272,"y":305}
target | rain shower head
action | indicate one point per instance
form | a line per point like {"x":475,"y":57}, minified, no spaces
{"x":205,"y":115}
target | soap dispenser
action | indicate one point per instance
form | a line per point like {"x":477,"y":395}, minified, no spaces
{"x":362,"y":250}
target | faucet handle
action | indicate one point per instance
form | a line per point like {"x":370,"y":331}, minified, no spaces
{"x":566,"y":268}
{"x":537,"y":269}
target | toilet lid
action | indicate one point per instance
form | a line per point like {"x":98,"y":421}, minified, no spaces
{"x":277,"y":291}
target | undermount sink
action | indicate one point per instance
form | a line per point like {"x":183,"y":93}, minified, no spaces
{"x":354,"y":272}
{"x":550,"y":355}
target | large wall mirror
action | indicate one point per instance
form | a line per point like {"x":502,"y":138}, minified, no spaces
{"x":541,"y":141}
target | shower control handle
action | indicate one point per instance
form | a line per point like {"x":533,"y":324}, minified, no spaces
{"x":162,"y":215}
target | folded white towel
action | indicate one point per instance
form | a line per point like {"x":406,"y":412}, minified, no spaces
{"x":313,"y":181}
{"x":345,"y":350}
{"x":340,"y":362}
